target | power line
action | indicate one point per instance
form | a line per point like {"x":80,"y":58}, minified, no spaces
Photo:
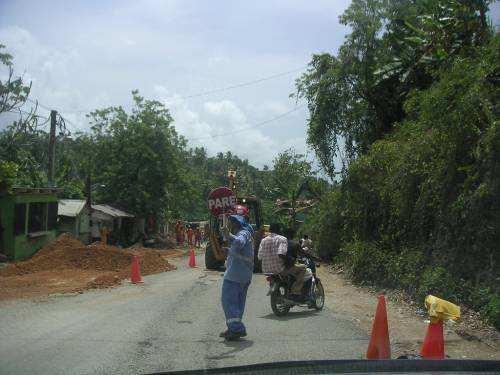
{"x":65,"y":120}
{"x":202,"y":93}
{"x":243,"y":84}
{"x":27,"y":113}
{"x":259,"y":124}
{"x":31,"y":114}
{"x":36,"y":102}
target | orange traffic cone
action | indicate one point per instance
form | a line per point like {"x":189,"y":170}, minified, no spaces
{"x":379,"y":346}
{"x":135,"y":276}
{"x":192,"y":259}
{"x":433,"y":346}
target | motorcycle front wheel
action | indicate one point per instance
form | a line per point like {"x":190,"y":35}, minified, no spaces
{"x":278,"y":304}
{"x":319,"y":295}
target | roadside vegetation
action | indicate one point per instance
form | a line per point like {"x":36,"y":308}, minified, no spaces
{"x":410,"y":107}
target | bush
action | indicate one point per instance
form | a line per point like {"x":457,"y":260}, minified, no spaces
{"x":405,"y":270}
{"x":366,"y":263}
{"x":8,"y":172}
{"x":324,"y":225}
{"x":492,"y":311}
{"x":438,"y":282}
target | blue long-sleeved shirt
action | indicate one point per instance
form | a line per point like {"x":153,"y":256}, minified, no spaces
{"x":239,"y":263}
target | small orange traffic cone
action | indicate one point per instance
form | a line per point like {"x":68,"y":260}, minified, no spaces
{"x":379,"y":346}
{"x":135,"y":276}
{"x":192,"y":259}
{"x":433,"y":346}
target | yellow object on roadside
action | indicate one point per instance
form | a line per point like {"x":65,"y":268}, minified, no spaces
{"x":104,"y":235}
{"x":441,"y":310}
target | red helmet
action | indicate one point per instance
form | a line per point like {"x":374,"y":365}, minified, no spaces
{"x":241,"y":210}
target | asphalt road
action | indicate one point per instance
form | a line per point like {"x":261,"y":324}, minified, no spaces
{"x":171,"y":322}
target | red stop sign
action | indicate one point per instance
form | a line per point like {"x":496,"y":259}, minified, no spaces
{"x":221,"y":200}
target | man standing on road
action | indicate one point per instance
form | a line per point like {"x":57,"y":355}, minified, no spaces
{"x":178,"y":233}
{"x":197,"y":237}
{"x":273,"y":252}
{"x":190,"y":235}
{"x":238,"y":275}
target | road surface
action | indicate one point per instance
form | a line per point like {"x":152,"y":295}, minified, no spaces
{"x":171,"y":322}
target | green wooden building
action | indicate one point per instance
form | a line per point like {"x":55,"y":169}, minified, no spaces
{"x":28,"y":220}
{"x":74,"y":218}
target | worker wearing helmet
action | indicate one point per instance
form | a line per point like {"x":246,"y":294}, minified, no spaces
{"x":238,"y":275}
{"x":241,"y":210}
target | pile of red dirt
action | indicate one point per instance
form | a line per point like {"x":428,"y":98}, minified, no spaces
{"x":173,"y":253}
{"x":66,"y":252}
{"x":104,"y":281}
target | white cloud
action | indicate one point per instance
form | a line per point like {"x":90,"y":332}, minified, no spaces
{"x":209,"y":126}
{"x":54,"y":74}
{"x":217,"y":60}
{"x":129,"y":42}
{"x":225,"y":110}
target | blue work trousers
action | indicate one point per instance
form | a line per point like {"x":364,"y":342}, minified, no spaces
{"x":233,"y":300}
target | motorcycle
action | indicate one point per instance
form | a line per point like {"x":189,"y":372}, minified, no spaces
{"x":313,"y":294}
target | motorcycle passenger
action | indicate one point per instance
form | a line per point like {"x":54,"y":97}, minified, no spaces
{"x":295,"y":254}
{"x":306,"y":243}
{"x":273,"y":252}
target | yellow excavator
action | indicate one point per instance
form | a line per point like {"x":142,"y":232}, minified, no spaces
{"x":214,"y":253}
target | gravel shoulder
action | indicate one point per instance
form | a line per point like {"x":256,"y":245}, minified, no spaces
{"x":468,"y":339}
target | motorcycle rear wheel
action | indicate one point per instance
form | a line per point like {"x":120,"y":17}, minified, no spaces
{"x":279,"y":306}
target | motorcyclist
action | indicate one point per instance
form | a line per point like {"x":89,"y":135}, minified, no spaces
{"x":276,"y":258}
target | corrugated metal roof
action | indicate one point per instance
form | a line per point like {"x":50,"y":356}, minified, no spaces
{"x":115,"y":212}
{"x":70,"y":207}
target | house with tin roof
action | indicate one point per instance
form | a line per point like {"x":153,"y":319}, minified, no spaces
{"x":73,"y":217}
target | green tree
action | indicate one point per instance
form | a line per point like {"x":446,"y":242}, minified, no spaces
{"x":394,"y":47}
{"x":8,"y":173}
{"x":291,"y":181}
{"x":13,"y":91}
{"x":138,"y":157}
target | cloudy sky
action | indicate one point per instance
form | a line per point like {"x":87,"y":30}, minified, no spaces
{"x":82,"y":55}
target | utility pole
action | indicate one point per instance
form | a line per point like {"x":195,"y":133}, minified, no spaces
{"x":88,"y":189}
{"x":52,"y":147}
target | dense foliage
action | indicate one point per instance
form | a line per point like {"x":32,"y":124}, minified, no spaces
{"x":295,"y":187}
{"x":137,"y":161}
{"x":394,"y":47}
{"x":414,"y":95}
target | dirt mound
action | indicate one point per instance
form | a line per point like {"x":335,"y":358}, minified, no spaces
{"x":68,"y":252}
{"x":104,"y":281}
{"x":173,"y":253}
{"x":170,"y":243}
